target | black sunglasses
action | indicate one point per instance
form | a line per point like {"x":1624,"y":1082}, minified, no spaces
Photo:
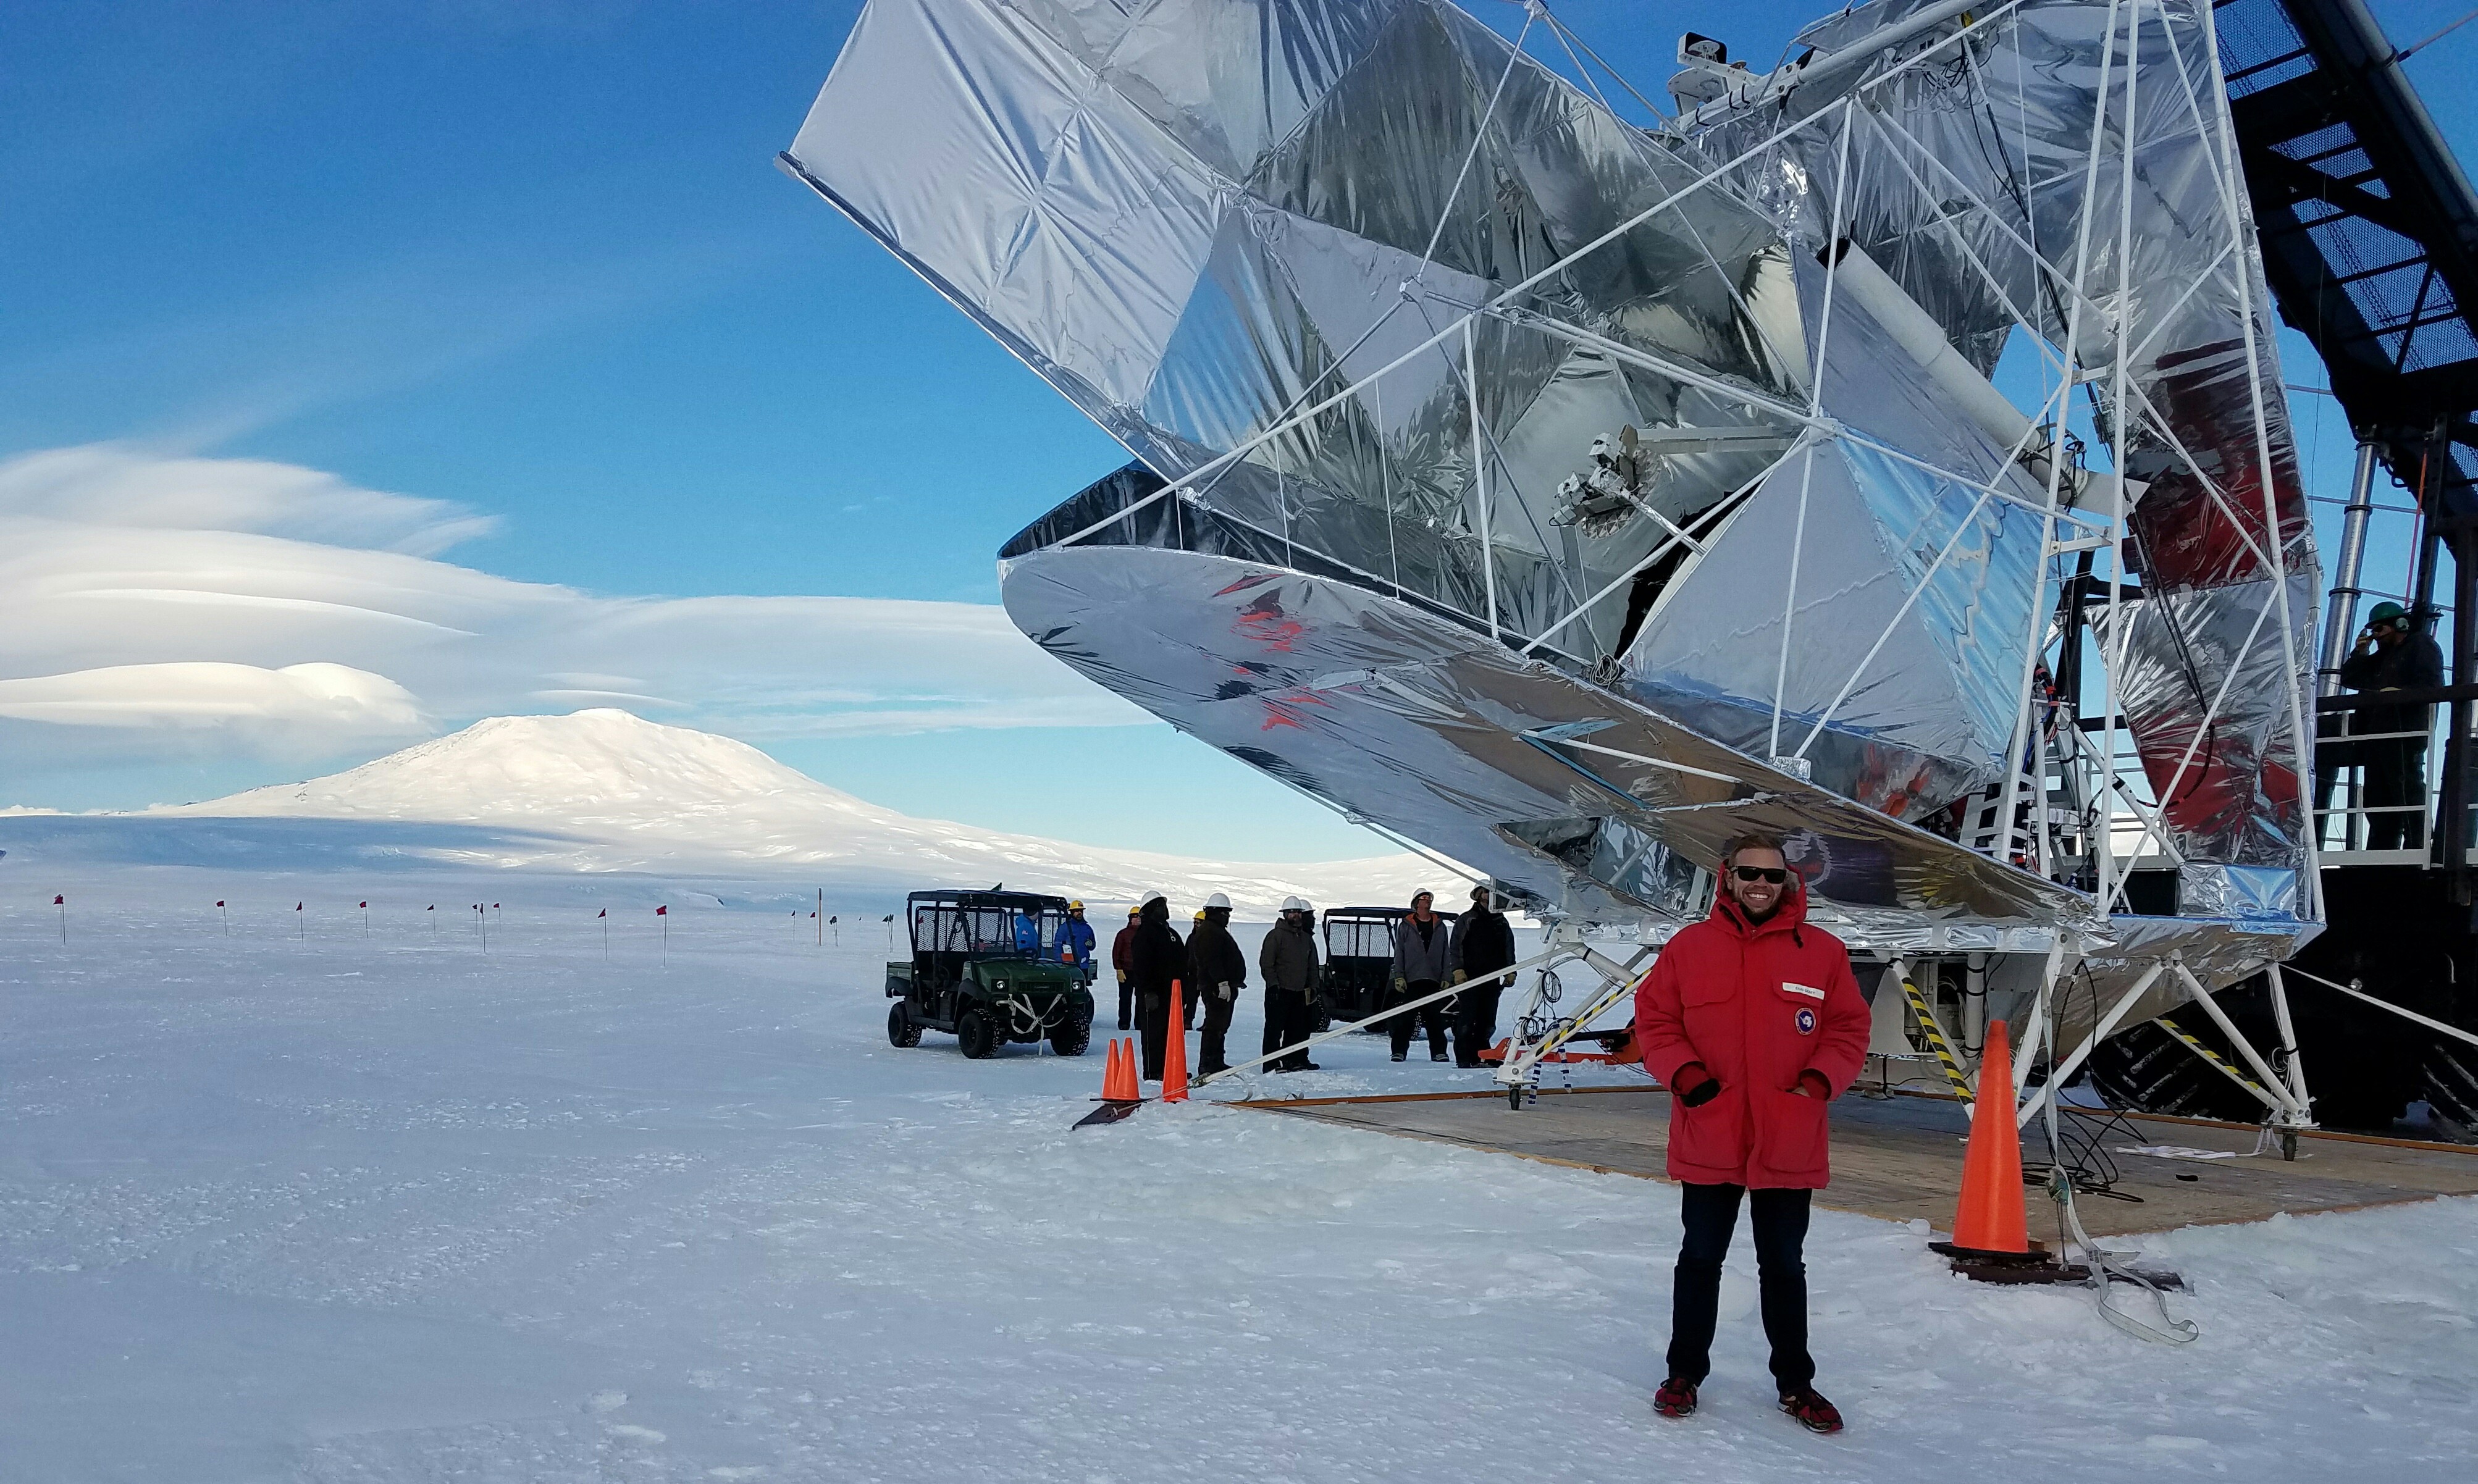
{"x":1773,"y":873}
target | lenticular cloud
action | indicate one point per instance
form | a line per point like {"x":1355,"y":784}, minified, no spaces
{"x":153,"y":605}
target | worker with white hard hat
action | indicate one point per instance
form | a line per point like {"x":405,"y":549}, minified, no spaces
{"x":1219,"y":972}
{"x":1288,"y":960}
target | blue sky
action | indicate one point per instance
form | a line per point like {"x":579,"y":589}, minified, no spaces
{"x":531,"y":260}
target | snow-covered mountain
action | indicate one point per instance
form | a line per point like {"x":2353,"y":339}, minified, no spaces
{"x":605,"y":789}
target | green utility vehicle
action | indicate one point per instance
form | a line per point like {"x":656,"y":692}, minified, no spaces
{"x":984,"y":968}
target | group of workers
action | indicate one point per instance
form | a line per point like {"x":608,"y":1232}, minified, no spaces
{"x":1467,"y":956}
{"x":1150,"y":957}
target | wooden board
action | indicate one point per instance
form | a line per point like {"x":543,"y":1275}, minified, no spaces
{"x":1899,"y":1157}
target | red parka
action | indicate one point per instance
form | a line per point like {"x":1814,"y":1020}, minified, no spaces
{"x":1758,"y":1005}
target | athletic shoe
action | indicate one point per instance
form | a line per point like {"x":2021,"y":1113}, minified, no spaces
{"x":1398,"y":1056}
{"x":1675,"y":1398}
{"x":1812,"y":1411}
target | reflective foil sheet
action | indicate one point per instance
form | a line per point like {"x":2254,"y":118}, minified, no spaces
{"x":1530,"y":485}
{"x":1967,"y":176}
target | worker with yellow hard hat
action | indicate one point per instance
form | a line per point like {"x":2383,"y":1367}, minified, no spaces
{"x":1076,"y":944}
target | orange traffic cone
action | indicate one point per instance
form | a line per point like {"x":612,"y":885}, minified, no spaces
{"x":1175,"y":1060}
{"x":1120,"y":1094}
{"x":1990,"y":1218}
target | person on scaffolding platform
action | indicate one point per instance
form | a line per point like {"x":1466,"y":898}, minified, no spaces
{"x":1156,"y":959}
{"x":2392,"y":655}
{"x":1753,"y":1022}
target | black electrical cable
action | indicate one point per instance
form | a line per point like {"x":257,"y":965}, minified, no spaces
{"x":2084,"y":1134}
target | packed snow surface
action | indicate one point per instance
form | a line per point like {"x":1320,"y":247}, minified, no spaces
{"x":607,"y":791}
{"x":474,"y":1202}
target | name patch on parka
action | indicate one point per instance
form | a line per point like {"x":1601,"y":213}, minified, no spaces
{"x":1809,"y":990}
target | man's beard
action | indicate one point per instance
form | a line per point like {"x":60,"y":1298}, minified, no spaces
{"x":1753,"y":916}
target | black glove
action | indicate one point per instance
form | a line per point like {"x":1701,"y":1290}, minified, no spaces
{"x":1695,"y":1094}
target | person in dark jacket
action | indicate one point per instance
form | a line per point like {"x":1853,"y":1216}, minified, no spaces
{"x":1423,"y":952}
{"x":1483,"y":945}
{"x":1288,"y":960}
{"x":1155,"y":961}
{"x":1122,"y":960}
{"x":1218,"y":970}
{"x":1754,"y":1021}
{"x":1189,"y":998}
{"x":2393,"y":655}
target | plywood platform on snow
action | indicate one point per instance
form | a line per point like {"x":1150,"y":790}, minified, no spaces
{"x":1899,"y":1157}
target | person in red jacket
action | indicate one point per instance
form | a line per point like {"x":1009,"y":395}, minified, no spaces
{"x":1752,"y":1020}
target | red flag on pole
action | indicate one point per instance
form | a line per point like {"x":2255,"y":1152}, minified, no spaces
{"x":296,"y":906}
{"x":59,"y":901}
{"x":366,"y":906}
{"x":604,"y":912}
{"x":662,"y":912}
{"x":219,"y":902}
{"x":495,"y":906}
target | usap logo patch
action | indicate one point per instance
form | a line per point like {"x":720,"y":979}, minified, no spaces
{"x":1806,"y":1020}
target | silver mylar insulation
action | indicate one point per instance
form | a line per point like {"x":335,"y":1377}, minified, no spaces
{"x":1510,"y":476}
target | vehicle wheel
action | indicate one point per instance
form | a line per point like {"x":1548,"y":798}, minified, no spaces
{"x":1072,"y":1038}
{"x":901,"y":1030}
{"x":975,"y":1033}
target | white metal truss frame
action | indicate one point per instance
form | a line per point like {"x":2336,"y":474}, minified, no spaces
{"x":2283,"y":1092}
{"x":2094,"y":345}
{"x":1525,"y":1052}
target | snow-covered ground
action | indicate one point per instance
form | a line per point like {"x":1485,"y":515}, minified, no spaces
{"x":404,"y":1208}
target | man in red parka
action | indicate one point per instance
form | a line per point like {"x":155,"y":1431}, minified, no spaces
{"x":1753,"y":1021}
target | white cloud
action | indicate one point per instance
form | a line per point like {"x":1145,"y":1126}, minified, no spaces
{"x":334,"y":698}
{"x":295,"y":613}
{"x":108,"y":485}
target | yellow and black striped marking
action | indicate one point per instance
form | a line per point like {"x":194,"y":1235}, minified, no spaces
{"x":2221,"y":1063}
{"x":1936,"y":1043}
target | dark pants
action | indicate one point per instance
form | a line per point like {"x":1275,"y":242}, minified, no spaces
{"x":1711,"y":1214}
{"x":1126,"y":1003}
{"x":1212,"y":1056}
{"x":1290,"y":1018}
{"x":1475,"y":1023}
{"x":2395,"y":774}
{"x":1152,"y":1030}
{"x":1430,"y":1016}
